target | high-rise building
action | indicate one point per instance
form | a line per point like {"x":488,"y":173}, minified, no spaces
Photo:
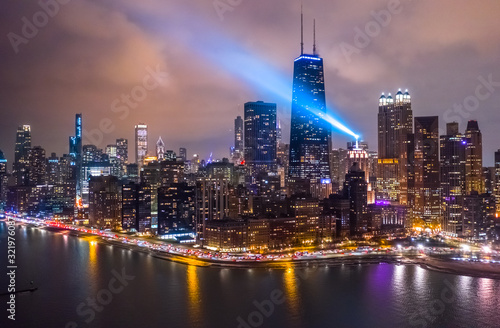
{"x":104,"y":202}
{"x":479,"y":216}
{"x":37,"y":166}
{"x":183,"y":154}
{"x":452,"y":154}
{"x":148,"y":194}
{"x":160,"y":149}
{"x":141,"y":143}
{"x":489,"y":180}
{"x":474,"y":159}
{"x":176,"y":209}
{"x":75,"y":151}
{"x":212,"y":203}
{"x":238,"y":135}
{"x":122,"y":150}
{"x":356,"y":191}
{"x":395,"y":125}
{"x":94,"y":163}
{"x":310,"y":134}
{"x":282,"y":159}
{"x":23,"y":145}
{"x":427,"y":189}
{"x":130,"y":206}
{"x":260,"y":136}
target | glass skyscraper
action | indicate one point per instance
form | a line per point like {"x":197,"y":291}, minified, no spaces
{"x":23,"y":145}
{"x":260,"y":136}
{"x":141,"y":143}
{"x":310,"y":134}
{"x":75,"y":151}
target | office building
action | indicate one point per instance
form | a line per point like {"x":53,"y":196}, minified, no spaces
{"x":21,"y":165}
{"x":356,"y":191}
{"x":160,"y":149}
{"x":452,"y":157}
{"x":395,"y":126}
{"x":310,"y":133}
{"x":474,"y":159}
{"x":260,"y":136}
{"x":427,"y":189}
{"x":141,"y":143}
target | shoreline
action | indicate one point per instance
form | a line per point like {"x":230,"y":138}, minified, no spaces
{"x":477,"y":270}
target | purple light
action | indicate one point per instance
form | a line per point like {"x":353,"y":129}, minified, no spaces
{"x":464,"y":142}
{"x":382,"y":203}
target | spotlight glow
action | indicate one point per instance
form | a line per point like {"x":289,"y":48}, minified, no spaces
{"x":230,"y":57}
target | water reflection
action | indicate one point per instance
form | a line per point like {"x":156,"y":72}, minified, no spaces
{"x":194,"y":306}
{"x":291,"y":292}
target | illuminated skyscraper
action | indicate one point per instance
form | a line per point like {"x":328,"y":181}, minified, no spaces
{"x":75,"y":151}
{"x":122,"y":150}
{"x":355,"y":190}
{"x":474,"y":159}
{"x":37,"y":166}
{"x":238,"y":134}
{"x":452,"y":155}
{"x":141,"y":143}
{"x":395,"y":126}
{"x":260,"y":136}
{"x":310,"y":134}
{"x":427,"y":203}
{"x":23,"y":145}
{"x":160,"y":149}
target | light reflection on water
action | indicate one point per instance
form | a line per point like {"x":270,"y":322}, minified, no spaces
{"x":70,"y":269}
{"x":193,"y":290}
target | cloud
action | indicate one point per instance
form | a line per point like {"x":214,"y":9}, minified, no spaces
{"x":92,"y":52}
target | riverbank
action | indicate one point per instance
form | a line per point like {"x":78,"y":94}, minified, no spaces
{"x":466,"y":268}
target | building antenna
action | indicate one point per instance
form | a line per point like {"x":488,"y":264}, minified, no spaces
{"x":301,"y":30}
{"x":314,"y":37}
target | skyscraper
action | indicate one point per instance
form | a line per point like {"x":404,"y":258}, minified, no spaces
{"x":75,"y":151}
{"x":176,"y":209}
{"x":37,"y":166}
{"x":23,"y":145}
{"x":260,"y":136}
{"x":238,"y":135}
{"x":105,"y":202}
{"x":141,"y":143}
{"x":183,"y":154}
{"x":130,"y":206}
{"x":160,"y":149}
{"x":474,"y":159}
{"x":427,"y":203}
{"x":452,"y":155}
{"x":395,"y":125}
{"x":310,"y":134}
{"x":122,"y":150}
{"x":356,"y":191}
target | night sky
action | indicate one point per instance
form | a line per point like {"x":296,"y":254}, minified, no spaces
{"x":213,"y":56}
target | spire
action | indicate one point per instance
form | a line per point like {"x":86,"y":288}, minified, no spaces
{"x":314,"y":37}
{"x":301,"y":30}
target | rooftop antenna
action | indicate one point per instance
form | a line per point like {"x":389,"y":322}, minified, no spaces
{"x":301,"y":30}
{"x":314,"y":37}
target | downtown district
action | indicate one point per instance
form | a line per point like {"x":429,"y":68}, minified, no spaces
{"x":270,"y":195}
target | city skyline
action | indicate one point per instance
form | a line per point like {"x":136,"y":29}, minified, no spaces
{"x":250,"y":163}
{"x":465,"y":58}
